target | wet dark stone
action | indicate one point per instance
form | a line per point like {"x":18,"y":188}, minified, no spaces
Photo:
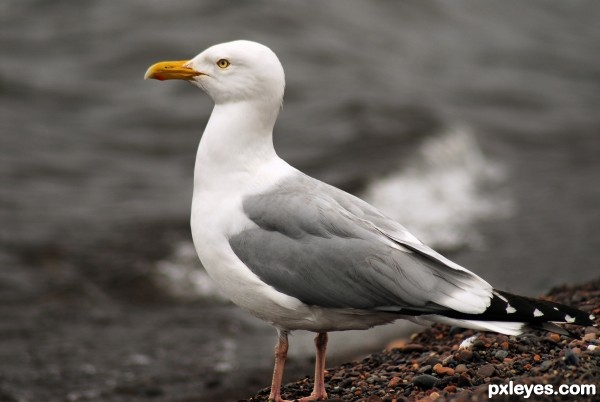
{"x":466,"y":355}
{"x":501,"y":354}
{"x":571,"y":358}
{"x":518,"y":366}
{"x":479,"y":344}
{"x":443,"y":382}
{"x":545,"y":366}
{"x":486,"y":371}
{"x":464,"y":380}
{"x":347,"y":382}
{"x":425,"y":381}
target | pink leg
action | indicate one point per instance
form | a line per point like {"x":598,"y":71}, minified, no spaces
{"x":281,"y":350}
{"x":319,"y":389}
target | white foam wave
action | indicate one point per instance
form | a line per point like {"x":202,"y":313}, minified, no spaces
{"x":444,"y":190}
{"x":183,"y":277}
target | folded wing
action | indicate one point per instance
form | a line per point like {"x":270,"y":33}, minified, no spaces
{"x":330,"y":249}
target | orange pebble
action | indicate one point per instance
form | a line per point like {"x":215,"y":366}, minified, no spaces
{"x":394,"y":382}
{"x":554,"y":337}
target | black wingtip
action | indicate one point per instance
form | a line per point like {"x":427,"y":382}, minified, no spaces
{"x":539,"y":311}
{"x":533,"y":313}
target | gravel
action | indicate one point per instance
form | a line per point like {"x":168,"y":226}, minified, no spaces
{"x":431,"y":367}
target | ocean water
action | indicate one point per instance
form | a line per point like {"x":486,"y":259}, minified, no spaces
{"x":87,"y":144}
{"x":474,"y":123}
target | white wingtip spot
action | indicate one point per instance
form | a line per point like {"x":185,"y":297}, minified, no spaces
{"x":568,"y":318}
{"x":467,"y":343}
{"x":591,"y":347}
{"x":556,"y":308}
{"x":592,"y":317}
{"x":510,"y":309}
{"x":537,"y":313}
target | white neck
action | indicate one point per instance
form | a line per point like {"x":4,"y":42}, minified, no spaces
{"x":238,"y":139}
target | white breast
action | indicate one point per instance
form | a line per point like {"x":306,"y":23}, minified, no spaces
{"x":217,"y":214}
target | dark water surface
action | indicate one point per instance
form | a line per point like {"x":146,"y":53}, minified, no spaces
{"x":96,"y":166}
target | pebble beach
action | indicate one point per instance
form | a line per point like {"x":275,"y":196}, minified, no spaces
{"x":431,"y":365}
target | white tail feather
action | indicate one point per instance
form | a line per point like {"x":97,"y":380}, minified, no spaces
{"x":507,"y":328}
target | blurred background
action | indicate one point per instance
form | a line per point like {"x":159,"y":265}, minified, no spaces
{"x":476,"y":124}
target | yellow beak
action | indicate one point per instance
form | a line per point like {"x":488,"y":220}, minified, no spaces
{"x":171,"y":70}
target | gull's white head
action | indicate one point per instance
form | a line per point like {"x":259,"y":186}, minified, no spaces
{"x":230,"y":72}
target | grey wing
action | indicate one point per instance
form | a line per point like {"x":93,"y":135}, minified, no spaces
{"x":330,"y":249}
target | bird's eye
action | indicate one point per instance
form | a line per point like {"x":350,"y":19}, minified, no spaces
{"x":223,"y":63}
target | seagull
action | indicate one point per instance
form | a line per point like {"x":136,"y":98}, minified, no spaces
{"x":304,"y":255}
